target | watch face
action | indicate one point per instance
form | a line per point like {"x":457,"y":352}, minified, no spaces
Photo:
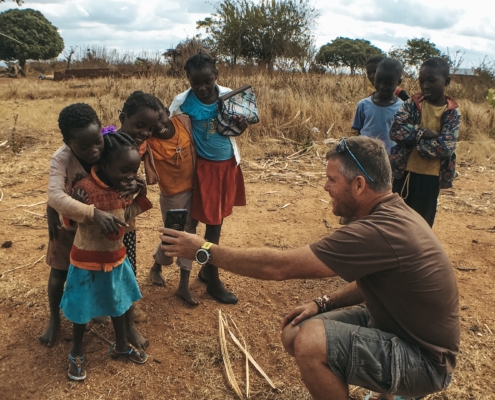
{"x":202,"y":256}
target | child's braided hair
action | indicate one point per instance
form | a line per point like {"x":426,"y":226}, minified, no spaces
{"x":200,"y":61}
{"x":76,"y":116}
{"x":114,"y":142}
{"x":139,"y":99}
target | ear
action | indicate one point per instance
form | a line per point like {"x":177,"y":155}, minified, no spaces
{"x":359,"y":185}
{"x":121,"y":118}
{"x":447,"y":81}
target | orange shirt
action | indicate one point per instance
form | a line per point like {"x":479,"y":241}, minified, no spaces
{"x":173,"y":160}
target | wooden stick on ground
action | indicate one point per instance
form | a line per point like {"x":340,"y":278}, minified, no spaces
{"x":22,"y":266}
{"x":26,"y":205}
{"x":225,"y":355}
{"x":260,"y":370}
{"x":245,"y":353}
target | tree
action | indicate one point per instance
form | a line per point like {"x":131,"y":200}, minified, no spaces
{"x":177,"y":57}
{"x":416,"y":52}
{"x":34,"y":37}
{"x":345,"y":52}
{"x":262,"y":31}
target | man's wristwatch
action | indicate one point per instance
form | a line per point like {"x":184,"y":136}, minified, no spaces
{"x":203,"y":254}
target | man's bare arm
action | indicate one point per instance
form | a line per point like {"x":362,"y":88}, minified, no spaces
{"x":259,"y":263}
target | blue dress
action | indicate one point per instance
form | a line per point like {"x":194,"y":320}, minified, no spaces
{"x":91,"y":294}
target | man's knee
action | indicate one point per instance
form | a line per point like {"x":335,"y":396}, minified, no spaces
{"x":289,"y":334}
{"x":310,"y":341}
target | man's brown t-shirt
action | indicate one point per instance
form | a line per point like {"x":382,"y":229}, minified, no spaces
{"x":404,"y":274}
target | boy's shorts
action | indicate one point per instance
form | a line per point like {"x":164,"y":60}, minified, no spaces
{"x":58,"y":251}
{"x":179,"y":200}
{"x":364,"y":356}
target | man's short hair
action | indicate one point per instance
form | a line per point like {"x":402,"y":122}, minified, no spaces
{"x":391,"y":66}
{"x":373,"y":157}
{"x":375,"y":60}
{"x":440,"y":63}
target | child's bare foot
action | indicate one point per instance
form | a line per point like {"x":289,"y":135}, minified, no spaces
{"x":156,"y":275}
{"x":136,"y":339}
{"x":49,"y":337}
{"x":220,"y":293}
{"x":138,"y":315}
{"x":187,"y":296}
{"x":133,"y":335}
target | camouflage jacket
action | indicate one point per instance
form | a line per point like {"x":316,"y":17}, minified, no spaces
{"x":407,"y":132}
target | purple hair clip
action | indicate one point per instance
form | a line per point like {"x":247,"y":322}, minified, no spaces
{"x":108,"y":129}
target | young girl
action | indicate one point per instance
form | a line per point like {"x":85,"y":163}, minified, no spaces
{"x":139,"y":116}
{"x":100,"y":279}
{"x":173,"y":151}
{"x":83,"y":145}
{"x":218,"y":182}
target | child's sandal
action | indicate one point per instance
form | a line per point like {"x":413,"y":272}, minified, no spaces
{"x":133,"y":354}
{"x":80,"y":372}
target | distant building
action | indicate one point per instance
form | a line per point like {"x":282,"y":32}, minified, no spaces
{"x":464,"y":74}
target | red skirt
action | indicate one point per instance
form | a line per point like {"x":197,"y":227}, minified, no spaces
{"x":218,"y":187}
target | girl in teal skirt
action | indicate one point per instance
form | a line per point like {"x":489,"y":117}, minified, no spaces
{"x":100,"y":280}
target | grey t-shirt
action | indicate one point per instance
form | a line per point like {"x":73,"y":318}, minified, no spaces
{"x":375,"y":121}
{"x":404,"y":274}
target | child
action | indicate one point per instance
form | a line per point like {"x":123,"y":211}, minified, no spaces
{"x":218,"y":182}
{"x":100,"y":279}
{"x":139,"y":116}
{"x":371,"y":66}
{"x":83,"y":145}
{"x":425,"y":130}
{"x":174,"y":156}
{"x":374,"y":114}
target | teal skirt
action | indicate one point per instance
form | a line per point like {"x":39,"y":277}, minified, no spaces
{"x":91,"y":294}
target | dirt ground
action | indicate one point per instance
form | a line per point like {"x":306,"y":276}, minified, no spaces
{"x":185,"y":358}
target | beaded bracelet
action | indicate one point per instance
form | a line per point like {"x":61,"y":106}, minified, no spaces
{"x":324,"y":303}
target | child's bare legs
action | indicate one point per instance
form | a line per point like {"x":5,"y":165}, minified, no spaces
{"x":77,"y":351}
{"x":183,"y":290}
{"x":209,"y":273}
{"x":156,"y":275}
{"x":56,"y":283}
{"x":131,"y":332}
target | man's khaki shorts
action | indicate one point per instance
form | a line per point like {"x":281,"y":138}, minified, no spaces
{"x":379,"y":361}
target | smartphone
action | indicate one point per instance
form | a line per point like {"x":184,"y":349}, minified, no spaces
{"x":175,"y":219}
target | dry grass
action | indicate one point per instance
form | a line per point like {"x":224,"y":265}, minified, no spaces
{"x":301,"y":107}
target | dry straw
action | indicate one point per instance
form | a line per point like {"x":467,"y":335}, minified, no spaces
{"x":222,"y":326}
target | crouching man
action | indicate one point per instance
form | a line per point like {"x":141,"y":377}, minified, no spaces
{"x":403,"y":336}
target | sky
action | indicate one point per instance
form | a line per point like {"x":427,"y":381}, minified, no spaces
{"x":156,"y":25}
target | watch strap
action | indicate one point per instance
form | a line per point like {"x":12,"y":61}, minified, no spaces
{"x":207,"y":245}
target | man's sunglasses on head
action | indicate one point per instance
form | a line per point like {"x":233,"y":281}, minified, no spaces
{"x":342,"y":147}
